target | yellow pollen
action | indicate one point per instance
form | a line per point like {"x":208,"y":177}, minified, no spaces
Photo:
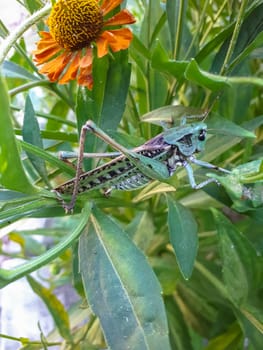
{"x":74,"y":24}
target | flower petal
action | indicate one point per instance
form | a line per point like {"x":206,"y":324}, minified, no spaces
{"x":86,"y":60}
{"x":47,"y":47}
{"x":45,"y":35}
{"x":85,"y":77}
{"x":62,"y":65}
{"x":55,"y":67}
{"x":46,"y":41}
{"x":72,"y":69}
{"x":122,"y":17}
{"x":118,"y":39}
{"x":102,"y":46}
{"x":44,"y":55}
{"x":108,"y":5}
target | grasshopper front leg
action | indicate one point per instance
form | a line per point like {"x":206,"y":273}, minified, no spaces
{"x":204,"y":164}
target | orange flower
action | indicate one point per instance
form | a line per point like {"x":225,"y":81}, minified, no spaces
{"x":76,"y":26}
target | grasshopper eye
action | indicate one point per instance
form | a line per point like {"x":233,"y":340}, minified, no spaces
{"x":202,"y":135}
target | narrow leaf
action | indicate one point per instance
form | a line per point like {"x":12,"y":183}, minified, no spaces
{"x":170,"y":115}
{"x":152,"y":14}
{"x":89,"y":106}
{"x":12,"y":175}
{"x":176,"y":17}
{"x":227,"y":340}
{"x":105,"y":104}
{"x":162,"y":63}
{"x":183,"y":235}
{"x":31,"y":134}
{"x":116,"y":90}
{"x":250,"y":29}
{"x":9,"y":276}
{"x":13,"y":70}
{"x":227,"y":127}
{"x":55,"y":307}
{"x":153,"y":189}
{"x":211,"y":81}
{"x":118,"y":280}
{"x":179,"y":333}
{"x":141,"y":230}
{"x":241,"y":268}
{"x":244,"y":185}
{"x":253,"y":330}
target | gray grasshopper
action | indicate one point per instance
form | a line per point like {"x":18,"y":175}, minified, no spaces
{"x":157,"y":158}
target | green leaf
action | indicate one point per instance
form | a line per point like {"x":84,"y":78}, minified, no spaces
{"x":241,"y":266}
{"x":165,"y":268}
{"x":89,"y":106}
{"x":179,"y":333}
{"x":12,"y":210}
{"x":117,"y":278}
{"x":252,"y":327}
{"x":57,"y":116}
{"x":3,"y":30}
{"x":9,"y":276}
{"x":169,"y":115}
{"x":55,"y":307}
{"x":227,"y":340}
{"x":29,"y":245}
{"x":31,"y":134}
{"x":249,"y":31}
{"x":161,"y":62}
{"x":13,"y":70}
{"x":176,"y":17}
{"x":116,"y":90}
{"x":105,"y":104}
{"x":227,"y":127}
{"x":257,"y":43}
{"x":138,"y":46}
{"x":12,"y":175}
{"x":251,"y":172}
{"x":141,"y":230}
{"x":53,"y":160}
{"x":210,"y":81}
{"x":76,"y":275}
{"x":183,"y":236}
{"x":210,"y":47}
{"x":244,"y":185}
{"x":152,"y":14}
{"x":33,"y":5}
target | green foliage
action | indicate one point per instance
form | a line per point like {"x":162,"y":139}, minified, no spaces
{"x":135,"y":311}
{"x":205,"y":247}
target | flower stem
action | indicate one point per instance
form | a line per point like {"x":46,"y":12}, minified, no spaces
{"x":9,"y":42}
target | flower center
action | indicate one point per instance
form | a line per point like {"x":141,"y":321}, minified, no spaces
{"x":74,"y":24}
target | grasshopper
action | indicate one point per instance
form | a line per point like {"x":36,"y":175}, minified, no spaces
{"x":157,"y":158}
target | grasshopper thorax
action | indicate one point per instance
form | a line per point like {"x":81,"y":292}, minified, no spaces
{"x":189,"y":139}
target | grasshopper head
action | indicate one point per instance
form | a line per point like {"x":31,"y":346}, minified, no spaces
{"x":189,"y":139}
{"x":192,"y":139}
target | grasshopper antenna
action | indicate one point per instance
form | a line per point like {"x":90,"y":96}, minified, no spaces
{"x":214,"y":101}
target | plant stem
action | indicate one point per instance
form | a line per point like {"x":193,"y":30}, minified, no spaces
{"x":8,"y":276}
{"x":10,"y":41}
{"x":212,"y":279}
{"x":233,"y":41}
